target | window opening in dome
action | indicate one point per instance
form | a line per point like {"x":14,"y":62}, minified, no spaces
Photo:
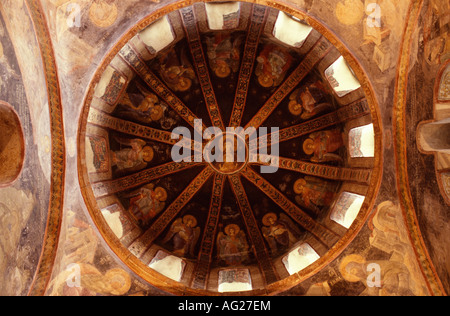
{"x":362,"y":142}
{"x":290,"y":31}
{"x":222,"y":16}
{"x":234,"y":280}
{"x":168,"y":265}
{"x":341,"y":77}
{"x":347,"y":208}
{"x":300,"y":258}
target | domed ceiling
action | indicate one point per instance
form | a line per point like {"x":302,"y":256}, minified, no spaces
{"x":197,"y":226}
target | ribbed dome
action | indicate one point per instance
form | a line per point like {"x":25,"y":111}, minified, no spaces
{"x":229,"y":225}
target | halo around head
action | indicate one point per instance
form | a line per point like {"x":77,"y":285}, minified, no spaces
{"x":308,"y":146}
{"x":267,"y":217}
{"x":299,"y":185}
{"x":150,"y":154}
{"x":162,"y":194}
{"x":230,"y":227}
{"x":188,"y":218}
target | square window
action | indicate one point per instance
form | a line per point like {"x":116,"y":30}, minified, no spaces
{"x":290,"y":31}
{"x":341,"y":77}
{"x":347,"y":208}
{"x":235,"y":280}
{"x":222,"y":16}
{"x":168,"y":265}
{"x":158,"y":35}
{"x":300,"y":258}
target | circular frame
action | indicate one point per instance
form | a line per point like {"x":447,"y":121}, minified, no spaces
{"x":176,"y":288}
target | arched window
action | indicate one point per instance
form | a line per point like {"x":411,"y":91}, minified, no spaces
{"x":158,"y":36}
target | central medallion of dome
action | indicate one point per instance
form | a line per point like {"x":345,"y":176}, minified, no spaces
{"x":227,"y":153}
{"x":222,"y":223}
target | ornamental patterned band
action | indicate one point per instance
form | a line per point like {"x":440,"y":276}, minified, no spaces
{"x":146,"y":240}
{"x":206,"y":251}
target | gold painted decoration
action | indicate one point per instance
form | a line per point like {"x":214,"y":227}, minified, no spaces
{"x":147,"y":202}
{"x":350,"y":12}
{"x":103,"y":14}
{"x":255,"y":30}
{"x":323,"y":145}
{"x":244,"y":230}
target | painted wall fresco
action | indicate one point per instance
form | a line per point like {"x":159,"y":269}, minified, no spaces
{"x":24,"y":197}
{"x":81,"y":42}
{"x":380,"y":262}
{"x":428,"y":73}
{"x":84,"y":268}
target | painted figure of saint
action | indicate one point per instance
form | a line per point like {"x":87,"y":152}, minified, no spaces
{"x":184,"y":235}
{"x":273,"y":64}
{"x":231,"y":161}
{"x":177,"y":72}
{"x":279,"y":232}
{"x":147,"y":202}
{"x":223,"y":54}
{"x":133,"y":158}
{"x":232,"y":246}
{"x":322,"y":145}
{"x":303,"y":101}
{"x":146,"y":111}
{"x":314,"y":193}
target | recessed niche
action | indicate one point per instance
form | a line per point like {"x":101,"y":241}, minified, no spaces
{"x":12,"y":148}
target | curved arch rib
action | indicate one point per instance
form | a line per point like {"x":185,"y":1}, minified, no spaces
{"x":201,"y":66}
{"x":346,"y":113}
{"x":323,"y":234}
{"x":248,"y":61}
{"x":202,"y":268}
{"x":316,"y":54}
{"x":359,"y":175}
{"x":99,"y":118}
{"x":143,"y":243}
{"x":104,"y":188}
{"x":132,"y":58}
